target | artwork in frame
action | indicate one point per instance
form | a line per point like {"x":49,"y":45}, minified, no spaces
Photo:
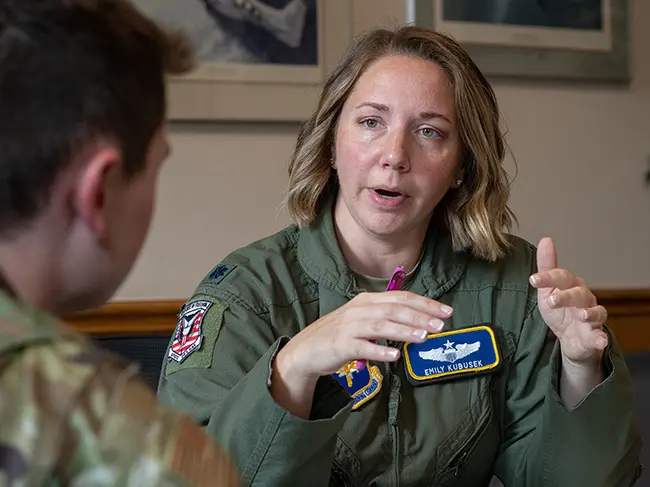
{"x":258,"y":60}
{"x":585,"y":40}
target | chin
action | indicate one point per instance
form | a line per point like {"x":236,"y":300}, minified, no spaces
{"x":392,"y":225}
{"x":84,"y":300}
{"x":379,"y":223}
{"x":384,"y":229}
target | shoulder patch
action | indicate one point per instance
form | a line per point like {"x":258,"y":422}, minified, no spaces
{"x":220,"y":272}
{"x":194,"y":338}
{"x":453,"y":354}
{"x":188,"y":334}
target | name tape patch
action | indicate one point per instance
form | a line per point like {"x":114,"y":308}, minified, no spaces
{"x":188,"y":334}
{"x":464,"y":352}
{"x":362,"y":384}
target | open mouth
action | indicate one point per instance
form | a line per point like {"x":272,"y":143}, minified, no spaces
{"x":387,"y":194}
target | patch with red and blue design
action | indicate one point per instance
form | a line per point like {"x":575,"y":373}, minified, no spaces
{"x":188,"y":334}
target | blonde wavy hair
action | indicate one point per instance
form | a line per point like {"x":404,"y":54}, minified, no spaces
{"x":477,"y":214}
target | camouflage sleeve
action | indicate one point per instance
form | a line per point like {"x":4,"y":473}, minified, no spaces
{"x":110,"y":431}
{"x":137,"y":441}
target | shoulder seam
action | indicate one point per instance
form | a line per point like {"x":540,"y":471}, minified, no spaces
{"x":228,"y":297}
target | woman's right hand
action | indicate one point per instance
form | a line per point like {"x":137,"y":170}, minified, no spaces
{"x":350,"y":333}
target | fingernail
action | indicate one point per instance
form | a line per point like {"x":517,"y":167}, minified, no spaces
{"x":534,"y":279}
{"x":553,"y":300}
{"x":421,"y":334}
{"x":446,"y":309}
{"x":392,"y":353}
{"x":436,"y":324}
{"x":583,"y":314}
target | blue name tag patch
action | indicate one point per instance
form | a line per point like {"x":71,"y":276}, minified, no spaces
{"x":463,"y":352}
{"x":362,"y":384}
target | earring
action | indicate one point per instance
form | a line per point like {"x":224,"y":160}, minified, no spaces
{"x":459,"y":183}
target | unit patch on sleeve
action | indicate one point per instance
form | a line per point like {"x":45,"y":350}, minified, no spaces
{"x":452,"y":354}
{"x":362,"y":384}
{"x":188,"y":334}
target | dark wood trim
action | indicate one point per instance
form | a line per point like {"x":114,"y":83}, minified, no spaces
{"x":628,"y":317}
{"x":128,"y":317}
{"x":628,"y":309}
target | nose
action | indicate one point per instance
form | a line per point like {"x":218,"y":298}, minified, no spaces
{"x":396,"y":153}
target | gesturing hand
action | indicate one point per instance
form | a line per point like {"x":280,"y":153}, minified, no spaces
{"x":569,"y":308}
{"x":351,"y":331}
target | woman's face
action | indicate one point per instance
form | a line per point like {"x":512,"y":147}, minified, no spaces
{"x":397,"y":149}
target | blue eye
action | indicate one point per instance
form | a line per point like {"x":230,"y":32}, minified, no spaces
{"x":370,"y":123}
{"x":430,"y":132}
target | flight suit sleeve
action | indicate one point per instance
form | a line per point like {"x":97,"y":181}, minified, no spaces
{"x":224,"y":385}
{"x":118,"y":432}
{"x":544,"y":444}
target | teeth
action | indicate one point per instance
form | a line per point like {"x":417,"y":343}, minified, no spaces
{"x":387,"y":194}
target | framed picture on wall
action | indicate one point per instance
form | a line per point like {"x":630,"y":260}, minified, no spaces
{"x":552,"y":39}
{"x":259,"y":60}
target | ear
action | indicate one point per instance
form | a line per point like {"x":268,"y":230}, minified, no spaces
{"x":97,"y":176}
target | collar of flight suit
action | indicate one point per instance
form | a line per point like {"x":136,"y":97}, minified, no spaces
{"x":321,"y":257}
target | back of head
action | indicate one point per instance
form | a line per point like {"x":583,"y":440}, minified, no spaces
{"x":72,"y":71}
{"x":477,"y":215}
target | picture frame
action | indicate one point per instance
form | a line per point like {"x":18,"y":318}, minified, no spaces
{"x":251,"y":90}
{"x":543,"y":52}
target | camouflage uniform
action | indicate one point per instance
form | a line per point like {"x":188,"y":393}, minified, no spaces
{"x":72,"y":414}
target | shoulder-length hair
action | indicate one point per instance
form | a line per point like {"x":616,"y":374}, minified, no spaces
{"x":477,"y":214}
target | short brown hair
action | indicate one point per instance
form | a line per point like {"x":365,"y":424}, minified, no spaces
{"x":71,"y":72}
{"x":477,"y":214}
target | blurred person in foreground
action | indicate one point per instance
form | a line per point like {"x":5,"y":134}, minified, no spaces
{"x":82,"y":140}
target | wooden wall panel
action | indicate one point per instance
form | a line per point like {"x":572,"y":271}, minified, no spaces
{"x":629,"y":317}
{"x":128,"y":317}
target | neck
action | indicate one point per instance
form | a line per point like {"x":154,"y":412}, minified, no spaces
{"x":374,"y":256}
{"x":28,"y":266}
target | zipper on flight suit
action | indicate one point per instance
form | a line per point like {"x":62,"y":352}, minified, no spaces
{"x":394,"y":382}
{"x":339,"y":478}
{"x":455,"y":465}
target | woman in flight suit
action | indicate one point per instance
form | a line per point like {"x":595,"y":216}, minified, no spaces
{"x":491,"y":360}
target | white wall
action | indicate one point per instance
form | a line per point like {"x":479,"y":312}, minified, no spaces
{"x":582,"y":152}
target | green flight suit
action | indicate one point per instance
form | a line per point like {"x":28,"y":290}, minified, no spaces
{"x":459,"y":432}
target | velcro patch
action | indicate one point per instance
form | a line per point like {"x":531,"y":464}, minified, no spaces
{"x":209,"y":313}
{"x":453,"y":354}
{"x":362,"y":384}
{"x":189,"y":333}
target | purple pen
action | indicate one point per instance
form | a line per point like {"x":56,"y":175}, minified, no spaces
{"x":396,"y":280}
{"x":394,"y":284}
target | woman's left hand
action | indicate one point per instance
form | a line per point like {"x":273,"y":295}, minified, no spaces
{"x":569,"y":309}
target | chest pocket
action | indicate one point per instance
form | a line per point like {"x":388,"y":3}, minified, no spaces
{"x":476,"y":431}
{"x":448,"y":433}
{"x":346,"y":466}
{"x":467,"y":454}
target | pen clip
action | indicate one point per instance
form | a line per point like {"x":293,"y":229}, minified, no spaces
{"x":396,"y":280}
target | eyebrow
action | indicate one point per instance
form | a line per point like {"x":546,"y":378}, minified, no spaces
{"x":384,"y":108}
